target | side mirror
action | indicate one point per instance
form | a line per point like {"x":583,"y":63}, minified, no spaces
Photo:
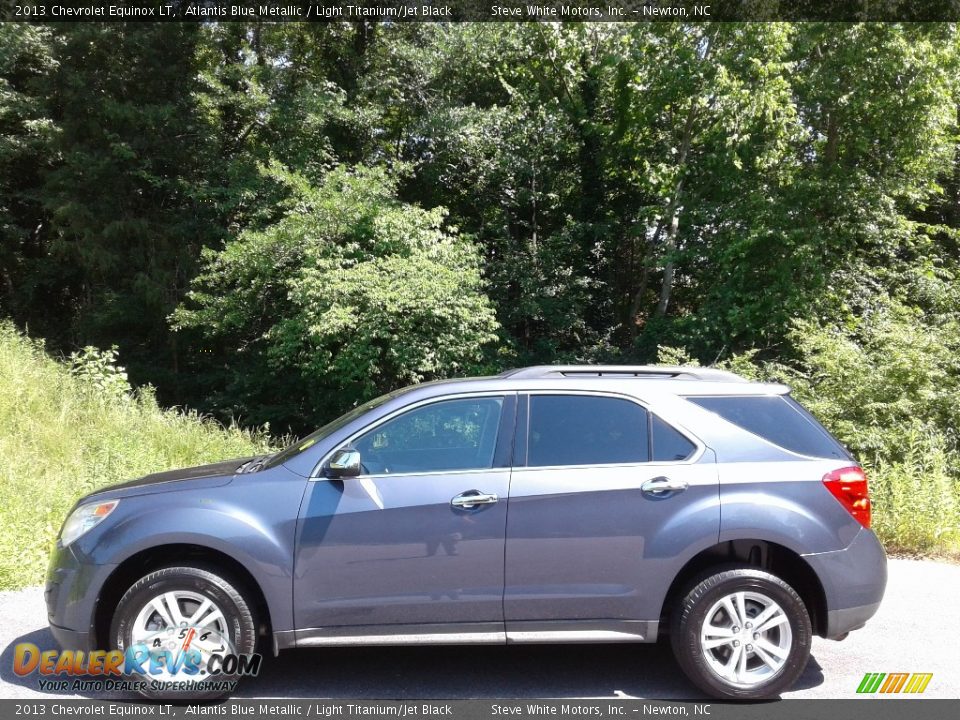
{"x":344,"y":463}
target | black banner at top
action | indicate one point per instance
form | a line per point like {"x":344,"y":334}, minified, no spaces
{"x":47,"y":11}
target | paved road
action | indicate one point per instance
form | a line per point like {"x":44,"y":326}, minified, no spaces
{"x":916,"y":630}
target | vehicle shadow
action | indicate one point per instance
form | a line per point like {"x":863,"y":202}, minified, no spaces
{"x":444,"y":672}
{"x":451,"y":672}
{"x":517,"y":671}
{"x":811,"y":677}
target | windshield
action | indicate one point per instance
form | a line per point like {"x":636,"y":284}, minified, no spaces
{"x":305,"y":442}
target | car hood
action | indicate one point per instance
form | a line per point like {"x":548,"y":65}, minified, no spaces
{"x":211,"y":475}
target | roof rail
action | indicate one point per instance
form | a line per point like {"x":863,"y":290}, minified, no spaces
{"x":651,"y":372}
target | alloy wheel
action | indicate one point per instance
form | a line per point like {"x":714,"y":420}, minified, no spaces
{"x":746,"y":638}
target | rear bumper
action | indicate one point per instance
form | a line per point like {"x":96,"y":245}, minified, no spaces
{"x":840,"y":622}
{"x":854,"y":580}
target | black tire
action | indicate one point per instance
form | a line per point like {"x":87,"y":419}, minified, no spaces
{"x":687,"y":621}
{"x":223,"y":591}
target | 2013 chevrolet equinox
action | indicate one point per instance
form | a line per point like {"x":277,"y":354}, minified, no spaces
{"x":550,"y":504}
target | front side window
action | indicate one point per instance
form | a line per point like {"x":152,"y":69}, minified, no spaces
{"x":586,"y":430}
{"x":316,"y":436}
{"x":448,"y":435}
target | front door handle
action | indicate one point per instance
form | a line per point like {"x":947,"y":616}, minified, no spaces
{"x":663,"y":486}
{"x":473,"y":498}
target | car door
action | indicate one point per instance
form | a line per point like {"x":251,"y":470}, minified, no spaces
{"x":604,"y":499}
{"x":414,"y":546}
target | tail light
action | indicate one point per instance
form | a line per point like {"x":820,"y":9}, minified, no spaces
{"x":849,"y":486}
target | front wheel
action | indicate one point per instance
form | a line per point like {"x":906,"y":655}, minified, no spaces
{"x":178,"y":619}
{"x":742,"y":634}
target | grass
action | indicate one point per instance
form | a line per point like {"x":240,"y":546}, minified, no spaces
{"x":64,"y":434}
{"x":916,"y":504}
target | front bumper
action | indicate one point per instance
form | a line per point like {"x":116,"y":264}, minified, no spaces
{"x":854,"y":580}
{"x":71,"y":639}
{"x":72,"y":591}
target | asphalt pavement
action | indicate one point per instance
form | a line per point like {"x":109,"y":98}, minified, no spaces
{"x":917,"y":629}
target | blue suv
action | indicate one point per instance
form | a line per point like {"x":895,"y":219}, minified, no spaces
{"x":556,"y":504}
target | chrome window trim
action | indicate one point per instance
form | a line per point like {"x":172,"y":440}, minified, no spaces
{"x":317,"y":470}
{"x":692,"y":460}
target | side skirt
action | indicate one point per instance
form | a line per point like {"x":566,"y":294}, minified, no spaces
{"x":437,"y":634}
{"x":517,"y":632}
{"x":581,"y":631}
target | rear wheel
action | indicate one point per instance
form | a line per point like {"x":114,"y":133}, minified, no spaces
{"x":741,"y":633}
{"x":187,"y":615}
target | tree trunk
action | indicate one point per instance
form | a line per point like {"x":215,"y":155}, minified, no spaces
{"x":258,"y":44}
{"x":673,"y":212}
{"x":673,"y":207}
{"x":832,"y":146}
{"x":638,"y":298}
{"x":668,"y":269}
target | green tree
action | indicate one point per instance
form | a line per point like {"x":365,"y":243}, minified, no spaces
{"x":804,"y":220}
{"x":27,"y":59}
{"x":352,"y":294}
{"x":126,"y":198}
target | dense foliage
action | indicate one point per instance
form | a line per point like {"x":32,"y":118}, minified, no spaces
{"x":273,"y":222}
{"x":352,"y":294}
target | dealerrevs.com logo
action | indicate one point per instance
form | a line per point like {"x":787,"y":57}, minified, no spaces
{"x":890,"y":683}
{"x":168,"y":664}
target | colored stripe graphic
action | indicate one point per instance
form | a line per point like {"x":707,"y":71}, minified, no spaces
{"x":894,"y":683}
{"x":918,"y":682}
{"x":870,"y":682}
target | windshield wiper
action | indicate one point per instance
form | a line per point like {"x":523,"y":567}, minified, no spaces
{"x":253,"y":465}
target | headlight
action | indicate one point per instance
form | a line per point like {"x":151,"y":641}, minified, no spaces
{"x":85,"y":518}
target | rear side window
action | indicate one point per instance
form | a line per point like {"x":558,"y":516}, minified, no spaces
{"x":777,"y":419}
{"x":585,"y":430}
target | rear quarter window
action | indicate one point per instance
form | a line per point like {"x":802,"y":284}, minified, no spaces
{"x":778,"y":419}
{"x":668,"y":444}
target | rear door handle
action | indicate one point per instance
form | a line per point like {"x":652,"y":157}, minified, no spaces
{"x":663,"y":486}
{"x":473,"y":498}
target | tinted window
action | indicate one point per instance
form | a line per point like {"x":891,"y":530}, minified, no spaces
{"x":585,"y":430}
{"x":317,"y":435}
{"x":448,"y":435}
{"x":777,"y":419}
{"x":668,"y":443}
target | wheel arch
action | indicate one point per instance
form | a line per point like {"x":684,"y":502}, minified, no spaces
{"x":187,"y":554}
{"x":777,"y":559}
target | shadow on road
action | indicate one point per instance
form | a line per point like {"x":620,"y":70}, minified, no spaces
{"x":812,"y":676}
{"x":450,"y":672}
{"x":43,"y":639}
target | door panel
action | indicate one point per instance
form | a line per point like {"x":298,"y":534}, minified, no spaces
{"x":392,"y":549}
{"x":588,"y":543}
